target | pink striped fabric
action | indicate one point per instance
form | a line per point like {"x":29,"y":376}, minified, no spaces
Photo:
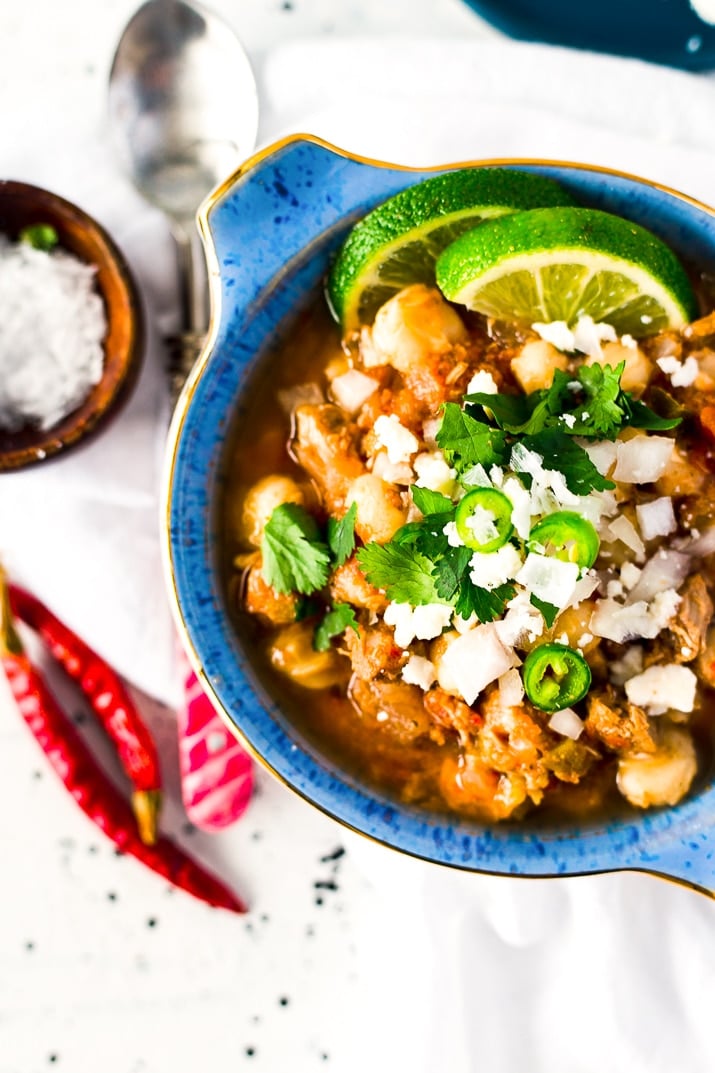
{"x":216,"y":772}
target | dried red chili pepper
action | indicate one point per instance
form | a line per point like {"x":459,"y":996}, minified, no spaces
{"x":94,"y":793}
{"x":110,"y":701}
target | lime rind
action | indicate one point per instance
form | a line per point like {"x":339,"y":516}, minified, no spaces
{"x":559,"y":263}
{"x":398,"y":243}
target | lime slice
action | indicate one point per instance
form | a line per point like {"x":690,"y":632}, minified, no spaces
{"x":561,"y":263}
{"x":398,"y":243}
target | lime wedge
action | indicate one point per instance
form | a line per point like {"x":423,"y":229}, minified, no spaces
{"x":398,"y":243}
{"x":561,"y":263}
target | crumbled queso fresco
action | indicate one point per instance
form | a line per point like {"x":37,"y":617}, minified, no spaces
{"x":52,"y":325}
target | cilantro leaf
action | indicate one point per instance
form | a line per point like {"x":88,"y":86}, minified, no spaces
{"x":559,"y":452}
{"x":601,"y":414}
{"x":466,"y":442}
{"x":294,"y":558}
{"x":641,"y":416}
{"x":402,"y":571}
{"x":549,"y":611}
{"x":430,"y":502}
{"x":341,"y":535}
{"x":529,"y":414}
{"x":426,"y":535}
{"x":449,"y":571}
{"x":336,"y":622}
{"x":487,"y":604}
{"x":510,"y":411}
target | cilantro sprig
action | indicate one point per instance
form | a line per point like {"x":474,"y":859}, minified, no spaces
{"x":590,"y":403}
{"x":340,"y":618}
{"x":295,"y":559}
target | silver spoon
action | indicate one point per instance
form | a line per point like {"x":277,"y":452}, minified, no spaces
{"x":183,"y":112}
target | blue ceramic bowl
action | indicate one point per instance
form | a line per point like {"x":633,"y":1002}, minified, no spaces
{"x":269,"y":233}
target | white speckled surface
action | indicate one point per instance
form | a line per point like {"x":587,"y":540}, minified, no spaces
{"x":101,"y":967}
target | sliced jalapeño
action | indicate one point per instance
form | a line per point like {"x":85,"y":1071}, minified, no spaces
{"x":566,"y":535}
{"x":555,"y":677}
{"x":483,"y":519}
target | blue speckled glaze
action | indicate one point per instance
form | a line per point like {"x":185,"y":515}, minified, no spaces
{"x":273,"y":231}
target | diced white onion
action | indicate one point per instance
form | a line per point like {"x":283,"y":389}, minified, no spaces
{"x":483,"y":382}
{"x":557,"y":332}
{"x":393,"y":472}
{"x":584,"y":587}
{"x":656,"y":518}
{"x":474,"y":660}
{"x":642,"y":459}
{"x":433,"y":472}
{"x":623,"y":529}
{"x":522,"y":621}
{"x":566,"y":722}
{"x":399,"y":442}
{"x":551,"y":580}
{"x":419,"y":671}
{"x":352,"y":389}
{"x":601,"y":452}
{"x":662,"y":687}
{"x":511,"y":688}
{"x":681,"y":374}
{"x":630,"y":574}
{"x":621,"y":623}
{"x":667,"y":569}
{"x":588,"y":335}
{"x":424,"y":622}
{"x":496,"y":567}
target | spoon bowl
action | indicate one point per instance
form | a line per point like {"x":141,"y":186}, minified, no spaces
{"x":183,"y":113}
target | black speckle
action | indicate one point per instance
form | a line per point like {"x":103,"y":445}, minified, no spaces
{"x":111,"y":896}
{"x":336,"y":854}
{"x":264,"y":918}
{"x":248,"y":926}
{"x":283,"y":1000}
{"x":250,"y":1051}
{"x":325,"y":1056}
{"x":29,"y":945}
{"x":255,"y":1020}
{"x":325,"y":884}
{"x":37,"y":774}
{"x":280,"y":188}
{"x":92,"y":848}
{"x":53,"y":1058}
{"x":286,"y":5}
{"x":79,"y":718}
{"x":152,"y":922}
{"x":309,"y":931}
{"x":188,"y":829}
{"x":257,"y":836}
{"x":318,"y":901}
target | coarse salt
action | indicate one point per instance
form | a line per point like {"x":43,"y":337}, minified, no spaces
{"x":53,"y":327}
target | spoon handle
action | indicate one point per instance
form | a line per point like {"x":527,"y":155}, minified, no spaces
{"x":185,"y":347}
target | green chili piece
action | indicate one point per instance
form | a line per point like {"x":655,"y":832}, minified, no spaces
{"x":40,"y":236}
{"x":555,"y":677}
{"x":496,"y":516}
{"x":567,"y":536}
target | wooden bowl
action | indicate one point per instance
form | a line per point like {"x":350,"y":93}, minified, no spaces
{"x":20,"y":206}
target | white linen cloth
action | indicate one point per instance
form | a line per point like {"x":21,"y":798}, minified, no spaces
{"x":597,"y":975}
